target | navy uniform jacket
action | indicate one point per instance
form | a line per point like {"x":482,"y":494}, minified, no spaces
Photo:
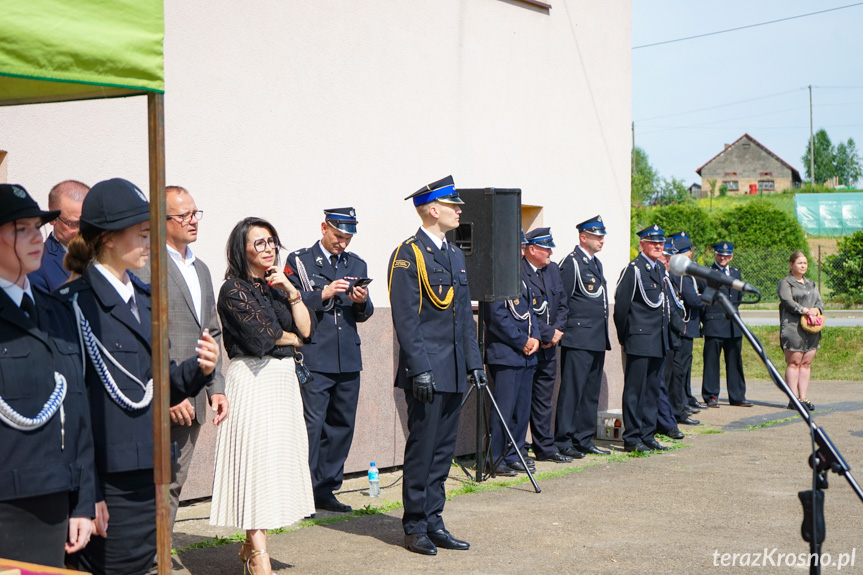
{"x":587,"y":317}
{"x":506,"y":335}
{"x":690,"y":290}
{"x":124,"y":439}
{"x":44,"y":461}
{"x":335,"y":346}
{"x":51,"y":274}
{"x":548,"y":288}
{"x":676,"y":313}
{"x":714,"y":321}
{"x":442,"y":341}
{"x":641,"y":329}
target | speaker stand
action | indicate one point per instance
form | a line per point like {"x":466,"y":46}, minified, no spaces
{"x":483,"y":454}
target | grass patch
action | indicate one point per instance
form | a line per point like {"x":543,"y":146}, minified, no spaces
{"x":771,"y":423}
{"x":839,"y":358}
{"x":707,"y":431}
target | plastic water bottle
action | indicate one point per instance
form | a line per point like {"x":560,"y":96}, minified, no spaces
{"x":374,"y":481}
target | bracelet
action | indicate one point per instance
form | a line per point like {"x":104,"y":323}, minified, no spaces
{"x":296,"y":300}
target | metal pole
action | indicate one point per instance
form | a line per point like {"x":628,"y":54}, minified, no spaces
{"x":811,"y":145}
{"x":159,"y":291}
{"x":819,"y":268}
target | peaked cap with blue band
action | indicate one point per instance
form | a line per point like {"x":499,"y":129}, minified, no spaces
{"x":682,"y":244}
{"x":724,"y":249}
{"x":523,"y":239}
{"x":652,"y":234}
{"x":669,"y":249}
{"x":593,"y":226}
{"x":343,"y":219}
{"x":442,"y":191}
{"x":540,"y":237}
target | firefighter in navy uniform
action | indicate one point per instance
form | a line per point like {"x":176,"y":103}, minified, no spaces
{"x":549,"y":305}
{"x":438,"y":350}
{"x":585,"y":341}
{"x":721,"y":335}
{"x":641,"y":320}
{"x":324,"y":274}
{"x":47,"y":476}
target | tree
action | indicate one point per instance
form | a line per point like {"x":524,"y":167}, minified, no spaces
{"x":671,"y":191}
{"x":844,"y":269}
{"x":825,"y":158}
{"x":644,"y":178}
{"x":848,"y":167}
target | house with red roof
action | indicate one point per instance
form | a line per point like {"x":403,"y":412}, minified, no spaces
{"x":745,"y":167}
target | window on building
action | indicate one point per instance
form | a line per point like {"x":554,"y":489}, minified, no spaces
{"x":730,"y":174}
{"x":731,"y":185}
{"x":765,"y":174}
{"x":765,"y":185}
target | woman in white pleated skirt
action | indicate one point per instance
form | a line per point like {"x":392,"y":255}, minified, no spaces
{"x":262,"y":479}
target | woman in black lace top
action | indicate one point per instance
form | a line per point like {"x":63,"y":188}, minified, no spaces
{"x":262,"y":478}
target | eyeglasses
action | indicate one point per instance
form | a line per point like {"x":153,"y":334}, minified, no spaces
{"x":263,"y":244}
{"x":187,"y":217}
{"x":70,"y":225}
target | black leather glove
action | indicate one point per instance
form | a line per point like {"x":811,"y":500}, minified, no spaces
{"x":478,"y":377}
{"x":424,"y":387}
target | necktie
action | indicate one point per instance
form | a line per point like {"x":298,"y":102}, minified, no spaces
{"x":334,"y":260}
{"x":28,"y":307}
{"x":445,"y":249}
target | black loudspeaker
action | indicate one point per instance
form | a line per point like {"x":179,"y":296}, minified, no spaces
{"x":489,"y":234}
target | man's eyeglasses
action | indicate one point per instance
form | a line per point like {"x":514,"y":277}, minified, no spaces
{"x":263,"y":244}
{"x":187,"y":217}
{"x":70,"y":225}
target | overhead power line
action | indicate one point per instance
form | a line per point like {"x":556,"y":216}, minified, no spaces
{"x":745,"y":27}
{"x":766,"y":96}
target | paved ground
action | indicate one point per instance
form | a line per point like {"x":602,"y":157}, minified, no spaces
{"x":731,"y":487}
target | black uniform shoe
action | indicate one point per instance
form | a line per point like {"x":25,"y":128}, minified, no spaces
{"x":655,"y":445}
{"x":688,"y":421}
{"x":743,"y":403}
{"x":713,"y":402}
{"x":556,"y":457}
{"x":699,"y":404}
{"x":692,"y":410}
{"x":638,"y":447}
{"x":672,"y":433}
{"x":420,"y":543}
{"x":517,"y":466}
{"x":504,"y":470}
{"x":444,"y":539}
{"x":333,"y":505}
{"x":572,"y":452}
{"x":593,"y":449}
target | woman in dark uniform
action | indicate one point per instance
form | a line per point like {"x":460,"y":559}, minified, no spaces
{"x":46,"y":448}
{"x":113,"y":311}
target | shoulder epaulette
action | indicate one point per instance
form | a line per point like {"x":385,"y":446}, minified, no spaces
{"x":145,"y":287}
{"x":410,"y":240}
{"x":300,"y":252}
{"x":353,"y":255}
{"x":66,"y":291}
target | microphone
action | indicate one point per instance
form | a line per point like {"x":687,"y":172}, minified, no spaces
{"x":683,"y":266}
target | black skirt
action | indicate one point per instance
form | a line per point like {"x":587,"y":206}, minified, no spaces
{"x":131,"y":543}
{"x":34,"y":530}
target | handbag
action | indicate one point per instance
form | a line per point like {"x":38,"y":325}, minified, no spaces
{"x":304,"y":376}
{"x":812,"y":324}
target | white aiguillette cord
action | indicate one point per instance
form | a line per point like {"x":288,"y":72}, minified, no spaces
{"x":93,"y":347}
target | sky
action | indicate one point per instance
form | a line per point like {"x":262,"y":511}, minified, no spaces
{"x":690,"y":98}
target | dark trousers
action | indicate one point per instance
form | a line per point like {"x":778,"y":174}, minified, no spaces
{"x":679,"y":389}
{"x":330,"y":409}
{"x":432,"y":431}
{"x":35,"y":529}
{"x":512,"y":387}
{"x":130,"y":547}
{"x":578,"y":398}
{"x":640,"y":396}
{"x":185,"y":437}
{"x":540,"y":408}
{"x":665,"y":420}
{"x":734,"y":381}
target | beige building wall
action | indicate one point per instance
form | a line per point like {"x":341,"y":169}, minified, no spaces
{"x":281,"y":108}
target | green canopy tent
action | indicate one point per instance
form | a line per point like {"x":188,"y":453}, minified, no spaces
{"x":64,"y":50}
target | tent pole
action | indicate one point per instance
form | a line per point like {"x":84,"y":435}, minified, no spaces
{"x":159,"y":290}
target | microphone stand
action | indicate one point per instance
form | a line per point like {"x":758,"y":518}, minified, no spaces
{"x":823,"y":459}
